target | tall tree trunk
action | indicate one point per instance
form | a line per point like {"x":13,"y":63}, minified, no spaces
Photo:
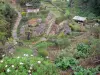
{"x":70,"y":3}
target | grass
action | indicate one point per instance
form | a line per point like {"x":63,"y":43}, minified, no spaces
{"x":52,"y":8}
{"x":20,"y":51}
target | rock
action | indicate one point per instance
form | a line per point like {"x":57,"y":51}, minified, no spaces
{"x":22,"y":32}
{"x":43,"y":39}
{"x":39,"y":30}
{"x":9,"y":48}
{"x":50,"y":21}
{"x":54,"y":29}
{"x":35,"y":52}
{"x":63,"y":26}
{"x":39,"y":20}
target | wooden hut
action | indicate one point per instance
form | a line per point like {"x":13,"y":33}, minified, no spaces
{"x":80,"y":19}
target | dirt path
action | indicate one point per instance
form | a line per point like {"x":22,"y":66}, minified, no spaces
{"x":16,"y":24}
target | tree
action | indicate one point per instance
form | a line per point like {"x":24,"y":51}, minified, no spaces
{"x":36,"y":3}
{"x":93,"y":5}
{"x":7,"y":16}
{"x":2,"y":37}
{"x":70,"y":3}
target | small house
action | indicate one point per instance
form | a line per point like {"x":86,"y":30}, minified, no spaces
{"x":29,"y":5}
{"x":80,"y":19}
{"x":30,"y":8}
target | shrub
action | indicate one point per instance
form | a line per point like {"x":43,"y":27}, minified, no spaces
{"x":25,"y":19}
{"x":83,"y":48}
{"x":78,"y":70}
{"x":80,"y":55}
{"x":60,"y":19}
{"x":65,"y":63}
{"x":61,"y":35}
{"x":26,"y":65}
{"x":23,"y":13}
{"x":96,"y":31}
{"x":67,"y":52}
{"x":68,"y":14}
{"x":43,"y":45}
{"x":44,"y":12}
{"x":85,"y":41}
{"x":62,"y":42}
{"x":43,"y":53}
{"x":91,"y":16}
{"x":95,"y":47}
{"x":75,"y":27}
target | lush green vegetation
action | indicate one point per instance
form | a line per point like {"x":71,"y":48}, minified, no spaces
{"x":7,"y":16}
{"x":89,"y":71}
{"x":20,"y":51}
{"x":27,"y":65}
{"x":34,"y":3}
{"x":77,"y":52}
{"x":65,"y":63}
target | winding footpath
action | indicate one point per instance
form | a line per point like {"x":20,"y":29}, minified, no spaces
{"x":16,"y":24}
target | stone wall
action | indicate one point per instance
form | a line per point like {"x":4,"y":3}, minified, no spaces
{"x":49,"y":27}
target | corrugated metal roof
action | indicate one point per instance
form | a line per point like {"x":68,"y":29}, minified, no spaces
{"x":79,"y":18}
{"x":28,"y":4}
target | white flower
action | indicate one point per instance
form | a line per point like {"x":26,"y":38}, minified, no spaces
{"x":62,"y":50}
{"x":30,"y":67}
{"x":8,"y":70}
{"x":47,"y":57}
{"x":67,"y":0}
{"x":30,"y":74}
{"x":15,"y":42}
{"x":21,"y":63}
{"x":29,"y":71}
{"x":1,"y":61}
{"x":11,"y":53}
{"x":18,"y":57}
{"x":6,"y":66}
{"x":31,"y":55}
{"x":3,"y":55}
{"x":25,"y":54}
{"x":39,"y":62}
{"x":12,"y":65}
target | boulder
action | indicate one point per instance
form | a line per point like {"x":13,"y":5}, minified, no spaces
{"x":39,"y":30}
{"x":54,"y":29}
{"x":22,"y":32}
{"x":9,"y":48}
{"x":64,"y":26}
{"x":39,"y":20}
